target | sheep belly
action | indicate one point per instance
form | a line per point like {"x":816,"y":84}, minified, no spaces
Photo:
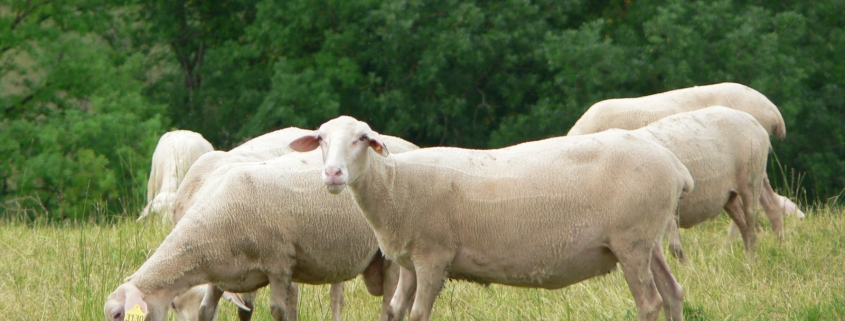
{"x":532,"y":271}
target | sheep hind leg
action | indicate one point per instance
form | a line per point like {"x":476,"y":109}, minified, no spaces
{"x":670,"y":291}
{"x":635,"y":259}
{"x":674,"y":236}
{"x":738,"y":209}
{"x":773,"y":206}
{"x":336,"y":293}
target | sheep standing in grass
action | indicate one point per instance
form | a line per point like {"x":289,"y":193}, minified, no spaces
{"x":725,"y":150}
{"x":546,"y":214}
{"x":261,"y":225}
{"x":264,"y":147}
{"x":210,"y":169}
{"x":173,"y":156}
{"x":634,"y":113}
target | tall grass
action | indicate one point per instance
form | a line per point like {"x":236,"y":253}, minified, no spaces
{"x":65,"y":272}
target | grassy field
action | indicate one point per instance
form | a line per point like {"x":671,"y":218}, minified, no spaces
{"x":65,"y":273}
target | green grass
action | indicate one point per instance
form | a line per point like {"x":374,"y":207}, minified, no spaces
{"x":52,"y":272}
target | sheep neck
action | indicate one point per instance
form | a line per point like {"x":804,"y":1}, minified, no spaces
{"x":374,"y":190}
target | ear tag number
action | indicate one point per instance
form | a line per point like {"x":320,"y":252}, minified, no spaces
{"x":135,"y":314}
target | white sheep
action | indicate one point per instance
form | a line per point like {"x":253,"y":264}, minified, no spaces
{"x":633,"y":113}
{"x":726,"y":151}
{"x":545,"y":214}
{"x":264,"y":147}
{"x":173,"y":156}
{"x":265,"y":223}
{"x":205,"y":176}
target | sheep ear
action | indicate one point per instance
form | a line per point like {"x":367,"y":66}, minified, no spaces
{"x":236,"y":299}
{"x":305,"y":143}
{"x":377,"y":143}
{"x":134,"y":297}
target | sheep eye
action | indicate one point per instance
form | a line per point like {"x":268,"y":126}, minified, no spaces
{"x":363,"y":138}
{"x":116,"y":316}
{"x":319,"y":138}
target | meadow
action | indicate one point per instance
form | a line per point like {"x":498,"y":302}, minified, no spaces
{"x":55,"y":272}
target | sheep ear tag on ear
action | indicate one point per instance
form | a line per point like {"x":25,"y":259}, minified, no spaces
{"x":135,"y":314}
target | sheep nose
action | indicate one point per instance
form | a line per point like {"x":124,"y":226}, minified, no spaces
{"x":333,"y":171}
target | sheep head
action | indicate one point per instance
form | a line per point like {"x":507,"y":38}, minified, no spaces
{"x":345,"y":143}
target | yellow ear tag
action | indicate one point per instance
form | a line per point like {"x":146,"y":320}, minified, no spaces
{"x":135,"y":314}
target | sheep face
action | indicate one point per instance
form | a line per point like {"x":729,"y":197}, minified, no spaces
{"x":124,"y":298}
{"x":345,"y":142}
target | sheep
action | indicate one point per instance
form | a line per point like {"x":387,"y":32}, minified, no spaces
{"x":726,"y":151}
{"x":207,"y":172}
{"x":264,"y":147}
{"x":633,"y":113}
{"x":259,"y":226}
{"x":173,"y":155}
{"x":541,"y":214}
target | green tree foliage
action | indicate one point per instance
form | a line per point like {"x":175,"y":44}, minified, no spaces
{"x":76,"y":129}
{"x":466,"y":73}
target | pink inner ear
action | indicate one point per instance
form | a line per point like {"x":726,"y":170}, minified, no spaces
{"x":305,"y":143}
{"x":377,"y":144}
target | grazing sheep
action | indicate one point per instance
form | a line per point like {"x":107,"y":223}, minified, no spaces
{"x":264,"y":147}
{"x":174,"y":154}
{"x":726,"y":151}
{"x":265,"y":223}
{"x":545,"y":214}
{"x":209,"y":170}
{"x":633,"y":113}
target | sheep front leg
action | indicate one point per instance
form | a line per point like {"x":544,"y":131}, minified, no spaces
{"x":402,"y":295}
{"x":431,"y":272}
{"x":208,"y":307}
{"x":336,"y":293}
{"x":249,"y":301}
{"x":283,"y":298}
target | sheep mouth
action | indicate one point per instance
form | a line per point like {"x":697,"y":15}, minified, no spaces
{"x":335,"y":188}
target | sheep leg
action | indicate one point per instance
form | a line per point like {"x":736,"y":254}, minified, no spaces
{"x":249,"y":301}
{"x":336,"y":293}
{"x":431,"y":272}
{"x":402,"y":296}
{"x":208,"y":307}
{"x":668,"y":287}
{"x":674,"y":236}
{"x":281,"y":293}
{"x":747,"y":223}
{"x":635,"y":258}
{"x":773,"y":206}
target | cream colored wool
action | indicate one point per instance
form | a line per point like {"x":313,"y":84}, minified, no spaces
{"x":260,"y":225}
{"x":173,"y":156}
{"x":726,"y":151}
{"x":633,"y":113}
{"x":545,"y":214}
